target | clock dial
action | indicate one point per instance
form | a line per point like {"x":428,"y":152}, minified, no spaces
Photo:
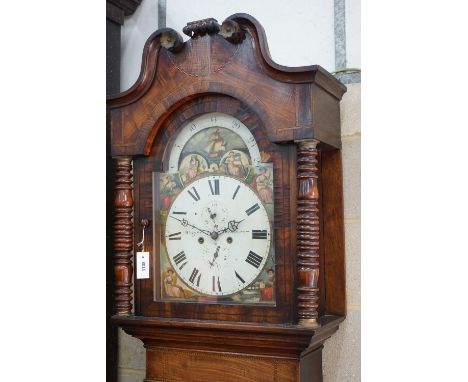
{"x":218,"y":235}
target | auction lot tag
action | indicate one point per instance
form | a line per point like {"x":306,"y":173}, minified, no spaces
{"x":142,"y":270}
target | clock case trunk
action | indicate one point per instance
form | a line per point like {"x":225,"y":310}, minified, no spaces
{"x":233,"y":74}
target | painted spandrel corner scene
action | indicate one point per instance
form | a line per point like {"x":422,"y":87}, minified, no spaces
{"x":215,"y":150}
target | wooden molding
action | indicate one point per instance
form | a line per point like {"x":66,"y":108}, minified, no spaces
{"x":301,"y":74}
{"x":248,"y":338}
{"x":128,"y":6}
{"x":114,"y":13}
{"x":116,"y":10}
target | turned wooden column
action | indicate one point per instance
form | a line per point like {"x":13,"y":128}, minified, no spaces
{"x":123,"y":236}
{"x":308,"y":232}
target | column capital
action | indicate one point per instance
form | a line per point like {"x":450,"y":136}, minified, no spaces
{"x":123,"y":158}
{"x":307,"y":142}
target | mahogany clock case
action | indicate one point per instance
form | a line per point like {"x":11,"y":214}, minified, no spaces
{"x":282,"y":156}
{"x":236,"y":76}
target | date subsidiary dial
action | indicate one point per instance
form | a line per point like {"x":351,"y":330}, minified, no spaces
{"x":218,"y":235}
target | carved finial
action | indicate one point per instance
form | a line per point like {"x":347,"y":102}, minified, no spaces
{"x":172,"y":41}
{"x":232,"y":31}
{"x":201,"y":27}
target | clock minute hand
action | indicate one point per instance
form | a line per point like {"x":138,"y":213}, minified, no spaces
{"x":186,"y":223}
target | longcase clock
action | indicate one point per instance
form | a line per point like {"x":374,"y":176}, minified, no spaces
{"x":228,"y":179}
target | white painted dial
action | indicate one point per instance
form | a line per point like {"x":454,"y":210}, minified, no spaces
{"x":218,"y":235}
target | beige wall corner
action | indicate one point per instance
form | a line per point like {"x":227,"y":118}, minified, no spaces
{"x":342,"y":352}
{"x":130,"y":375}
{"x":131,"y":358}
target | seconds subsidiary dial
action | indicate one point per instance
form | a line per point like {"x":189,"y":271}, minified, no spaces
{"x":218,"y":235}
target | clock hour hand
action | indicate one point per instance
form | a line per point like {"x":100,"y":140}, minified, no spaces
{"x":185,"y":223}
{"x":233,"y":225}
{"x":214,"y":257}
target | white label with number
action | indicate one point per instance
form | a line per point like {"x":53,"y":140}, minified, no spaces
{"x":142,"y":270}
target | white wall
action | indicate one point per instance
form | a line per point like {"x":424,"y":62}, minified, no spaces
{"x":135,"y":31}
{"x":353,"y":33}
{"x":299,"y":32}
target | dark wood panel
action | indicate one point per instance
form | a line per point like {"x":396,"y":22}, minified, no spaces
{"x":333,"y":232}
{"x":326,"y":121}
{"x":311,"y":366}
{"x":195,"y":366}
